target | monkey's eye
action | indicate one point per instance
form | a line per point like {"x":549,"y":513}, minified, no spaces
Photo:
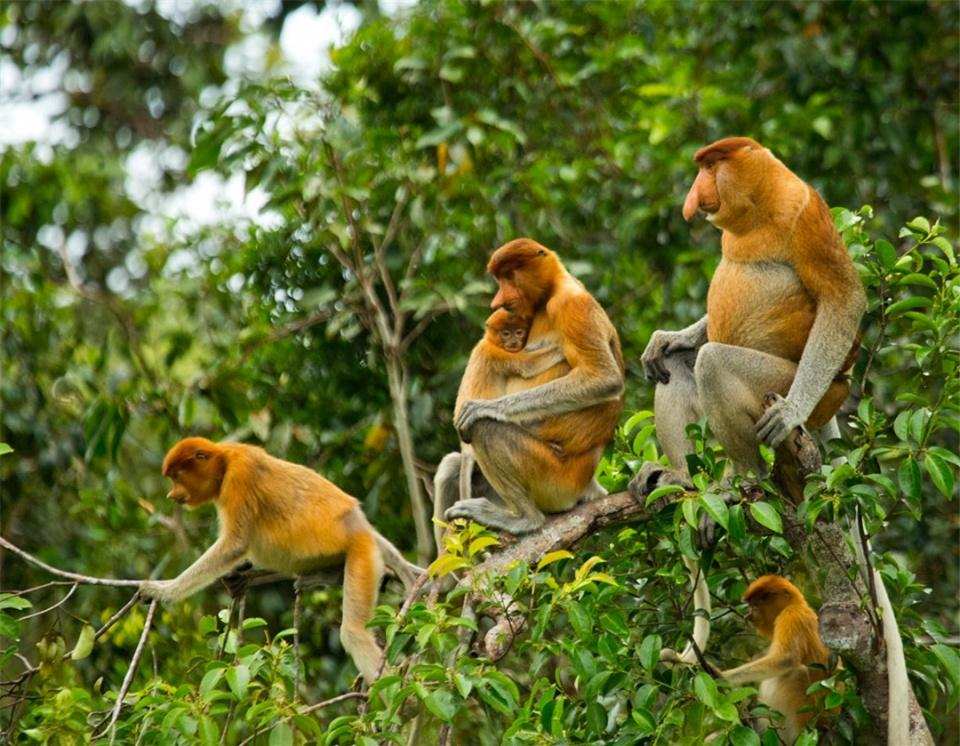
{"x":541,"y":252}
{"x":201,"y":456}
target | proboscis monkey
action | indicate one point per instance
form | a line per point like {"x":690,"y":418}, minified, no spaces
{"x":538,"y":445}
{"x":783,"y":311}
{"x":781,"y":614}
{"x":284,"y":517}
{"x":500,"y":354}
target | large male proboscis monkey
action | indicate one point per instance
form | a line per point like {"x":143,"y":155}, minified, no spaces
{"x":781,"y":614}
{"x":283,"y":517}
{"x":783,"y":311}
{"x":500,"y":354}
{"x":539,"y":444}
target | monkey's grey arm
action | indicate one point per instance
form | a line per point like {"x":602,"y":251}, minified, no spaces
{"x":662,"y":344}
{"x":219,"y":559}
{"x":832,"y":335}
{"x":538,"y":361}
{"x":756,"y":671}
{"x":578,"y":389}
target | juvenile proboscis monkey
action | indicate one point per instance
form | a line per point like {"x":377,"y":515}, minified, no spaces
{"x":781,"y":614}
{"x":538,"y":445}
{"x":783,"y":311}
{"x":500,"y":354}
{"x":283,"y":517}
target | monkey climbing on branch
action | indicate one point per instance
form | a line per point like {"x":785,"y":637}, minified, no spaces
{"x":781,"y":614}
{"x":783,"y":312}
{"x":538,"y":445}
{"x":283,"y":517}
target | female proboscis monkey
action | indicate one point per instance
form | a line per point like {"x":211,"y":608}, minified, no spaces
{"x":284,"y":517}
{"x":781,"y":614}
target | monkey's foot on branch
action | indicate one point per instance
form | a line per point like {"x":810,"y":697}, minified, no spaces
{"x":653,"y":475}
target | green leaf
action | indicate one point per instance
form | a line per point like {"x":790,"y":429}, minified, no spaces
{"x":649,"y":651}
{"x":667,"y":489}
{"x":766,"y":515}
{"x":946,"y":247}
{"x":706,"y":690}
{"x":5,"y":449}
{"x":914,"y":301}
{"x":9,"y":627}
{"x":550,"y":557}
{"x":885,"y":252}
{"x":910,"y":480}
{"x":950,"y":660}
{"x":919,"y":224}
{"x":84,"y":643}
{"x":917,"y":279}
{"x":9,"y":601}
{"x":441,"y":705}
{"x":281,"y":735}
{"x":210,"y":680}
{"x":716,"y":508}
{"x":690,"y":509}
{"x":209,"y":732}
{"x":743,"y":736}
{"x":940,"y":474}
{"x":238,"y":678}
{"x":446,"y":564}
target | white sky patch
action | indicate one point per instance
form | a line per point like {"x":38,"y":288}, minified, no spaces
{"x":307,"y":36}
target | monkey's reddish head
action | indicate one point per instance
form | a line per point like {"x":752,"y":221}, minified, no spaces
{"x":768,"y":595}
{"x":526,"y":272}
{"x":196,"y":467}
{"x":731,"y":170}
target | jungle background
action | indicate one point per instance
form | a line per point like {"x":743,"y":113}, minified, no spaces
{"x":212,"y":224}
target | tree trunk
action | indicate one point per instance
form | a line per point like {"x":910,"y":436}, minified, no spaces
{"x":396,"y":376}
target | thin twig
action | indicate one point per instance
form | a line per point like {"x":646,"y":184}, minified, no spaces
{"x":61,"y":602}
{"x":297,"y":601}
{"x":77,"y":577}
{"x":307,"y":711}
{"x":131,"y":670}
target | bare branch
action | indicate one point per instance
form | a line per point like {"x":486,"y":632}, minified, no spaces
{"x":82,"y":579}
{"x":61,"y":602}
{"x":422,"y":325}
{"x":131,"y":670}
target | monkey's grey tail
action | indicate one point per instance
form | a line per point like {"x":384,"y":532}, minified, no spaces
{"x":701,"y":620}
{"x":403,"y":568}
{"x":898,"y":685}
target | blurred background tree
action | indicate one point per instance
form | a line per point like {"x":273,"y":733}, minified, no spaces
{"x":171,"y":216}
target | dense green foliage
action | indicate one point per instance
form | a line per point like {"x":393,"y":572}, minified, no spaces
{"x":449,"y":131}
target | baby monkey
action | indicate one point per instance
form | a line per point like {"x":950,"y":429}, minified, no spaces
{"x":284,"y":517}
{"x":781,"y":614}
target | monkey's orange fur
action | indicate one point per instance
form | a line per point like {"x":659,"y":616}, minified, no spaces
{"x":283,"y":517}
{"x":781,"y":614}
{"x":782,"y":256}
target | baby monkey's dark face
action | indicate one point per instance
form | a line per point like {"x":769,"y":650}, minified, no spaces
{"x":513,"y":338}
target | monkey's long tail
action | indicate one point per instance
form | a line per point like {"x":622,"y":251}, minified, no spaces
{"x":701,"y":619}
{"x":404,"y":569}
{"x":898,"y":685}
